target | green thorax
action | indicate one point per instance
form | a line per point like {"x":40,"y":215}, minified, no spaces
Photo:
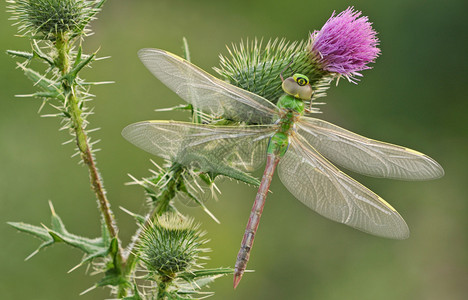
{"x":291,"y":107}
{"x":288,"y":102}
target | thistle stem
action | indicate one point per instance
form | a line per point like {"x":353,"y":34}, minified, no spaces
{"x":162,"y":287}
{"x":162,"y":206}
{"x":62,"y":46}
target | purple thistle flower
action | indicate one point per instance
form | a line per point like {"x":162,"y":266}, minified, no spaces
{"x":345,"y":44}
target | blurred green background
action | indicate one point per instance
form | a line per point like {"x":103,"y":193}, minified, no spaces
{"x":415,"y":96}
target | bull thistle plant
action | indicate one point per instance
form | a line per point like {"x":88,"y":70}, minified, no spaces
{"x":163,"y":260}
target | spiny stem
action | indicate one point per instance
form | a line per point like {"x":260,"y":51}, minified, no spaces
{"x":62,"y":45}
{"x":163,"y":284}
{"x":160,"y":208}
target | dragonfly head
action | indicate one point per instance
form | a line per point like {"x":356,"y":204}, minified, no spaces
{"x":298,"y":86}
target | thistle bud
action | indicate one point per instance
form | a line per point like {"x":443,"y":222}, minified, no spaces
{"x":170,"y":245}
{"x":48,"y":18}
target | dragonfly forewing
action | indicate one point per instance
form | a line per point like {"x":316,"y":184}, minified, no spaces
{"x":367,"y":156}
{"x":206,"y":92}
{"x":328,"y":191}
{"x":221,"y":150}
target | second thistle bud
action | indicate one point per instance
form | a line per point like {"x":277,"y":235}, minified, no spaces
{"x":51,"y":17}
{"x":170,"y":245}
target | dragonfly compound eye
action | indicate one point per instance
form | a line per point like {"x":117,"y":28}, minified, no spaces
{"x":301,"y":79}
{"x":298,"y":86}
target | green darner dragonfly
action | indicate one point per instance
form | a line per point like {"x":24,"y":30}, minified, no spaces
{"x":299,"y":145}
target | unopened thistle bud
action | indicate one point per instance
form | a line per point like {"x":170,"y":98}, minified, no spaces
{"x":48,"y":18}
{"x":171,"y":245}
{"x":257,"y":68}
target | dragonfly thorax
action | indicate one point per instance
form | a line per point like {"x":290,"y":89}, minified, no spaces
{"x":291,"y":103}
{"x":291,"y":108}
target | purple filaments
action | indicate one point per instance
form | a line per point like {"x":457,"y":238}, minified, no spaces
{"x":345,"y":44}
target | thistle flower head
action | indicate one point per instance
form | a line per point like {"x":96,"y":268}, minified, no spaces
{"x":51,"y":17}
{"x":345,"y":44}
{"x":171,"y":245}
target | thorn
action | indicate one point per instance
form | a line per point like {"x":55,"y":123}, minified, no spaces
{"x":209,"y":213}
{"x":74,"y":268}
{"x":94,"y":129}
{"x":68,"y":142}
{"x":127,"y":211}
{"x":31,"y":255}
{"x":135,"y":181}
{"x":152,"y":161}
{"x":50,"y":115}
{"x":45,"y":227}
{"x":24,"y":96}
{"x":88,"y":290}
{"x":150,"y":183}
{"x":154,"y":172}
{"x":102,"y":58}
{"x":42,"y":106}
{"x":94,"y":142}
{"x":100,"y":82}
{"x":216,"y":188}
{"x":52,"y":210}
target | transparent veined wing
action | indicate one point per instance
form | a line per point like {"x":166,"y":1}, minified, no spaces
{"x":328,"y":191}
{"x":225,"y":150}
{"x":206,"y":92}
{"x":367,"y":156}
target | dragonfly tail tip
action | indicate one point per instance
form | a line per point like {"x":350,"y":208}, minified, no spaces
{"x":237,"y":279}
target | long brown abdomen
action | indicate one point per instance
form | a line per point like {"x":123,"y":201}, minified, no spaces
{"x":254,"y":219}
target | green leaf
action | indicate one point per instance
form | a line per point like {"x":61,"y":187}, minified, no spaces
{"x":21,"y":54}
{"x":53,"y":95}
{"x":71,"y":76}
{"x":113,"y":274}
{"x":189,"y":276}
{"x":37,"y":53}
{"x":112,"y":279}
{"x":59,"y":234}
{"x":78,"y":56}
{"x":42,"y":81}
{"x":238,"y":175}
{"x":36,"y":231}
{"x":195,"y":280}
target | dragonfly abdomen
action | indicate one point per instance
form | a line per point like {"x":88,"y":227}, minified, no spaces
{"x":254,"y":219}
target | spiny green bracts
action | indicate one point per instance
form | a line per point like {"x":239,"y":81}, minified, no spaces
{"x":257,"y":68}
{"x":171,"y":245}
{"x":48,"y":18}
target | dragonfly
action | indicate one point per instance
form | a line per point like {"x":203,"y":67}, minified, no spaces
{"x":287,"y":138}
